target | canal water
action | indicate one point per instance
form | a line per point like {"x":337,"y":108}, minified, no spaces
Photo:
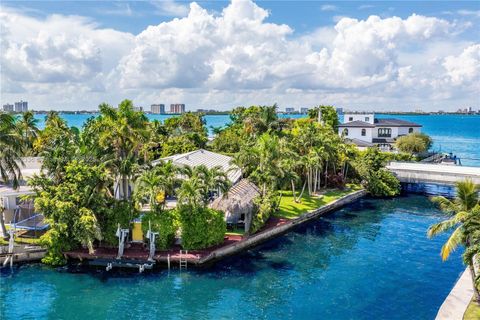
{"x":369,"y":260}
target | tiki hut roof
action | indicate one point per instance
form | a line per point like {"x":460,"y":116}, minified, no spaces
{"x":238,"y":198}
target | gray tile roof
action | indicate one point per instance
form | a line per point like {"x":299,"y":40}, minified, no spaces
{"x":356,"y":124}
{"x":395,"y":123}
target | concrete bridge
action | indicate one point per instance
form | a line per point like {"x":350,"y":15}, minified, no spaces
{"x":425,"y":173}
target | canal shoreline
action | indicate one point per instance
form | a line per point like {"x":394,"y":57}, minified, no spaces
{"x":232,"y":246}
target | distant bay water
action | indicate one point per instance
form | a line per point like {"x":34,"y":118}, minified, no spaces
{"x":459,"y":134}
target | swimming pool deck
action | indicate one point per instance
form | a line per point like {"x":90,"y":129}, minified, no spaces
{"x":232,"y":244}
{"x":457,"y":301}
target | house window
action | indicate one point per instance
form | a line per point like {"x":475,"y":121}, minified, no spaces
{"x":345,"y":132}
{"x":350,"y":119}
{"x":385,"y":132}
{"x":367,"y":119}
{"x":364,"y":132}
{"x":410,"y":130}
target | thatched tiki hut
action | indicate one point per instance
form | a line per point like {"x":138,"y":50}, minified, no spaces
{"x":238,"y":204}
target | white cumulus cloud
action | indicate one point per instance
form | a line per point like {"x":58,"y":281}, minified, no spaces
{"x":237,"y":56}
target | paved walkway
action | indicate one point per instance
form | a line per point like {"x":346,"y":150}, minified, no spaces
{"x":457,"y":301}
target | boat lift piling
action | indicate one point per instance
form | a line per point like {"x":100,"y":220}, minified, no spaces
{"x":11,"y":240}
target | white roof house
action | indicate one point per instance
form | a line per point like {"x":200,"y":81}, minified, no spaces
{"x":206,"y":158}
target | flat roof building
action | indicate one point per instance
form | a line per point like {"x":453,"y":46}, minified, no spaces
{"x":8,"y":107}
{"x":21,"y":106}
{"x":177,"y":108}
{"x":157,"y":108}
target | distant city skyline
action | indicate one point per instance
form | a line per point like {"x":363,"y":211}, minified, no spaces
{"x":375,"y":56}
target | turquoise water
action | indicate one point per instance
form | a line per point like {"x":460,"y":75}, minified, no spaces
{"x":370,"y":260}
{"x":458,"y":134}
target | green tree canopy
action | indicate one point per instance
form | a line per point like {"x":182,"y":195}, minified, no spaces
{"x":329,"y":116}
{"x":414,"y":143}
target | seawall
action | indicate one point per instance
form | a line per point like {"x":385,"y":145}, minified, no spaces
{"x":276,"y":231}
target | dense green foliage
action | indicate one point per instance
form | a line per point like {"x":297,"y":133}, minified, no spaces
{"x":183,"y":134}
{"x":71,"y":206}
{"x":329,"y":116}
{"x":414,"y":143}
{"x":165,"y":222}
{"x":202,"y":227}
{"x":266,"y":206}
{"x":378,"y":181}
{"x":101,"y":176}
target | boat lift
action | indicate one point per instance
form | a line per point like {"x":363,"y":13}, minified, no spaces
{"x":119,"y":262}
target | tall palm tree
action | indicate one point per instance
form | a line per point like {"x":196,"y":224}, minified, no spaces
{"x":122,"y":132}
{"x":464,"y":220}
{"x":28,"y":130}
{"x":10,"y":157}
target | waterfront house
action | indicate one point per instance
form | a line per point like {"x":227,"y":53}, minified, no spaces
{"x":365,"y":130}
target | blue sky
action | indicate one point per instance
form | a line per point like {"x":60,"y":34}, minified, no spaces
{"x":378,"y":55}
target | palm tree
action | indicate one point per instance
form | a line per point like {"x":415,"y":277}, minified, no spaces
{"x":149,"y":185}
{"x":10,"y":157}
{"x":212,"y":179}
{"x":207,"y":180}
{"x":190,"y":193}
{"x":28,"y":130}
{"x":122,"y":132}
{"x":464,"y":220}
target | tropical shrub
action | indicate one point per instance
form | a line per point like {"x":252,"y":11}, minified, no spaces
{"x":382,"y":183}
{"x":165,"y":222}
{"x":201,"y":227}
{"x":71,"y":207}
{"x":370,"y":170}
{"x":414,"y":143}
{"x":265,"y":207}
{"x":118,"y":212}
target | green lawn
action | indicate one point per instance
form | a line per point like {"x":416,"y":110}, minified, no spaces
{"x":236,"y":232}
{"x":472,"y":312}
{"x":290,"y":209}
{"x":19,"y":240}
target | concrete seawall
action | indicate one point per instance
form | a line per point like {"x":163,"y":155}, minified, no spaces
{"x":23,"y":254}
{"x":271,"y":233}
{"x":457,"y":301}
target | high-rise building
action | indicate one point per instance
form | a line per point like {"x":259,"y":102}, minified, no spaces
{"x":157,"y":108}
{"x":8,"y":107}
{"x":304,"y":110}
{"x":21,"y":106}
{"x":177,"y":108}
{"x":289,"y":110}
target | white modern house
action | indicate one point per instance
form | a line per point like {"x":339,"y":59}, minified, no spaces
{"x":364,"y":130}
